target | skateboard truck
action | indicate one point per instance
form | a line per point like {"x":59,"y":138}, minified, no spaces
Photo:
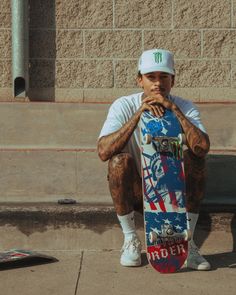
{"x":164,"y":142}
{"x":168,"y":232}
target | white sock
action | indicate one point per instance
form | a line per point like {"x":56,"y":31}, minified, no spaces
{"x":192,"y":221}
{"x":127,"y":224}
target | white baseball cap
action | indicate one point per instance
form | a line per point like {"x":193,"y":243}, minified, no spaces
{"x":156,"y":60}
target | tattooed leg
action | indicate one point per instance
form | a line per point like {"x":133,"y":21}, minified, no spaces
{"x":124,"y":184}
{"x":195,"y":172}
{"x":138,"y":193}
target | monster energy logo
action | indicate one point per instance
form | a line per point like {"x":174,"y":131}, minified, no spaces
{"x":158,"y":57}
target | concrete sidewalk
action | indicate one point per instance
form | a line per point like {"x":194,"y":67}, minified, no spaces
{"x":88,"y":272}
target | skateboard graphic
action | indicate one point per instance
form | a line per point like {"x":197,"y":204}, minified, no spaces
{"x":21,"y":258}
{"x":163,"y":180}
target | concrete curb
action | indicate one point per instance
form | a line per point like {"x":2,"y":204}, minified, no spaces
{"x":39,"y":215}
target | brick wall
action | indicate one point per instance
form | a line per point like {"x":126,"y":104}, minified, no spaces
{"x":88,"y":50}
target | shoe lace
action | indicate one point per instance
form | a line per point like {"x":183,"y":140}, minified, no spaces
{"x":133,"y":244}
{"x":194,"y":249}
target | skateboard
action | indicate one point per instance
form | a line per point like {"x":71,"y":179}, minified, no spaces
{"x":21,"y":258}
{"x":163,"y":181}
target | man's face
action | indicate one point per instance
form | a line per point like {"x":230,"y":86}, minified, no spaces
{"x":156,"y":83}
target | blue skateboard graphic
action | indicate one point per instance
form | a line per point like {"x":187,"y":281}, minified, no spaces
{"x":164,"y":191}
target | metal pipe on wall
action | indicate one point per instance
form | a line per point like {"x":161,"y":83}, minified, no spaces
{"x":20,"y":47}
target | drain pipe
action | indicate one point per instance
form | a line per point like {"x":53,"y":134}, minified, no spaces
{"x":20,"y":47}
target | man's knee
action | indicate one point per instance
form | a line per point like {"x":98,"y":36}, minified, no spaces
{"x":121,"y":161}
{"x":195,"y":176}
{"x":194,"y":165}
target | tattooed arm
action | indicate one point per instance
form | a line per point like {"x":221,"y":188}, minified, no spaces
{"x":114,"y":143}
{"x":197,"y":140}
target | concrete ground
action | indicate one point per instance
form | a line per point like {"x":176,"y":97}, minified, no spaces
{"x":88,"y":272}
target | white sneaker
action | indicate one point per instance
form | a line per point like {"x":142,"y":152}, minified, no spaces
{"x":195,"y":260}
{"x":131,"y":252}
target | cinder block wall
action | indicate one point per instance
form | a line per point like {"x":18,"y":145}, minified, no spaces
{"x":87,"y":50}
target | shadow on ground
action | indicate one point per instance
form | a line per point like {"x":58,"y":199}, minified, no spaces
{"x":222,"y":260}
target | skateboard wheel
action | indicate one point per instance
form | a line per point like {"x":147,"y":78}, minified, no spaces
{"x":147,"y":139}
{"x":152,"y":237}
{"x":182,"y":138}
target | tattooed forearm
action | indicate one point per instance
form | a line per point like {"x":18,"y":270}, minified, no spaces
{"x":197,"y":140}
{"x":114,"y":143}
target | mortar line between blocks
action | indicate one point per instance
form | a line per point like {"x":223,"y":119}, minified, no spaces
{"x":79,"y":272}
{"x":110,"y":59}
{"x":232,"y":14}
{"x":202,"y":43}
{"x":113,"y":11}
{"x":139,"y":29}
{"x":142,"y":40}
{"x":84,"y":45}
{"x":114,"y":72}
{"x":231,"y":74}
{"x":172,"y":14}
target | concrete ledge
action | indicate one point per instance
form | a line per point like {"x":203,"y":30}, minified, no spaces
{"x":49,"y":226}
{"x":29,"y":217}
{"x":220,"y":188}
{"x":108,"y":95}
{"x":77,"y":125}
{"x":48,"y":175}
{"x":49,"y":125}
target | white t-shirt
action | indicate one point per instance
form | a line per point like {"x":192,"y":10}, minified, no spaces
{"x":125,"y":107}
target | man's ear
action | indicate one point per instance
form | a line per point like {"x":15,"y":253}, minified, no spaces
{"x":173,"y":81}
{"x":139,"y":81}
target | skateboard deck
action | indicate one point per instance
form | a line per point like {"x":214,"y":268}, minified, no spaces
{"x":163,"y":181}
{"x":21,"y":258}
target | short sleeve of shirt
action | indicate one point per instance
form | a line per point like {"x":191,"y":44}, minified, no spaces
{"x":115,"y":119}
{"x":190,"y":110}
{"x":194,"y":117}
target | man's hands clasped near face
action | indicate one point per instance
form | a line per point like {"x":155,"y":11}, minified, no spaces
{"x":156,"y":105}
{"x":156,"y":86}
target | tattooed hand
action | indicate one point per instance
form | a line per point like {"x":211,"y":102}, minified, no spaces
{"x":156,"y":104}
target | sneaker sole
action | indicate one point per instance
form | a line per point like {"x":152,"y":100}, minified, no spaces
{"x":131,"y":263}
{"x":198,"y":267}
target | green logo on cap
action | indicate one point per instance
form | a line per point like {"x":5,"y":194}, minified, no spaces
{"x":158,"y":57}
